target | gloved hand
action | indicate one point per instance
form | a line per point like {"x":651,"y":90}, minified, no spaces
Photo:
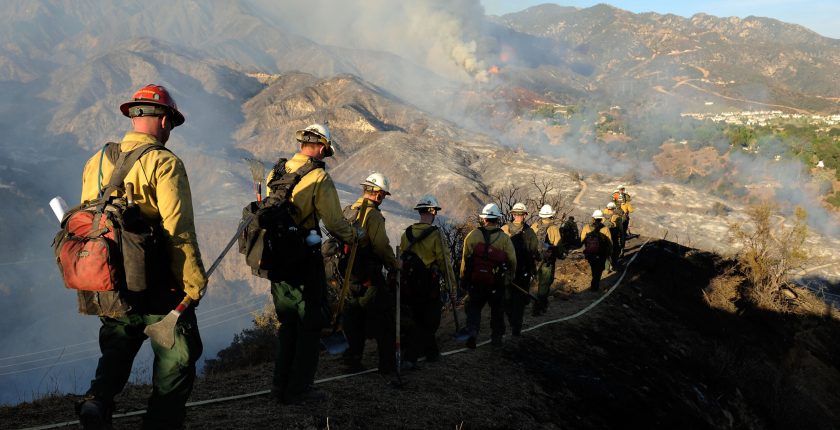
{"x":360,"y":234}
{"x":368,"y":297}
{"x":195,"y":292}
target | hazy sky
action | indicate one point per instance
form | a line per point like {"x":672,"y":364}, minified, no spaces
{"x":818,"y":15}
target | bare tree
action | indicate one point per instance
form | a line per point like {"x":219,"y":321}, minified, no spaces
{"x":505,"y":198}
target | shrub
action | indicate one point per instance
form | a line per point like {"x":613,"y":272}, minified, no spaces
{"x":665,"y":192}
{"x":769,"y":254}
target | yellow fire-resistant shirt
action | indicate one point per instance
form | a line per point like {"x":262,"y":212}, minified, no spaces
{"x":316,"y":199}
{"x":375,"y":235}
{"x":552,"y":232}
{"x":605,"y":233}
{"x":432,"y":250}
{"x":498,"y":239}
{"x":531,"y":242}
{"x":162,"y":193}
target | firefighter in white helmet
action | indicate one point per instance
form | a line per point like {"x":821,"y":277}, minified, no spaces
{"x":488,"y":265}
{"x":370,"y":305}
{"x":528,"y":253}
{"x":298,"y":297}
{"x":614,"y":220}
{"x":551,"y":243}
{"x":597,"y":246}
{"x":426,"y":271}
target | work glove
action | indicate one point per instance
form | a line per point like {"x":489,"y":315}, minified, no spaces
{"x":368,"y":297}
{"x":360,"y":234}
{"x":195,"y":292}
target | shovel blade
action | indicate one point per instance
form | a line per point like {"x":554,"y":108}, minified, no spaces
{"x":335,"y":343}
{"x":163,"y":331}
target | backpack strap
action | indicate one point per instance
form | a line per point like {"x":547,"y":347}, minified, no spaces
{"x":412,"y":240}
{"x":123,"y":165}
{"x":287,"y":181}
{"x":486,"y":235}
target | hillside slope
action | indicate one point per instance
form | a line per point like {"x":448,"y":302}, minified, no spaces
{"x":652,"y":354}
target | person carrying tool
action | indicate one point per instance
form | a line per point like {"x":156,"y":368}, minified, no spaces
{"x":527,"y":248}
{"x":161,"y":190}
{"x":597,"y":247}
{"x":488,"y":265}
{"x":298,"y":296}
{"x":622,"y":199}
{"x":370,"y":305}
{"x":551,"y":241}
{"x":614,"y":220}
{"x":425,"y":270}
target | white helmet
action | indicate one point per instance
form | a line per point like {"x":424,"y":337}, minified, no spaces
{"x":427,"y":202}
{"x":610,"y":205}
{"x":547,"y":212}
{"x":620,"y":187}
{"x":316,"y":133}
{"x":378,"y":181}
{"x":598,"y":214}
{"x":490,"y":210}
{"x":519,"y":209}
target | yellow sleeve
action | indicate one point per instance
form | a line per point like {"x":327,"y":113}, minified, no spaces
{"x":469,"y":244}
{"x":380,"y":244}
{"x":176,"y":213}
{"x":328,"y":210}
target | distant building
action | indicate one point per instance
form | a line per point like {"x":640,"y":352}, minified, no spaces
{"x":821,"y":165}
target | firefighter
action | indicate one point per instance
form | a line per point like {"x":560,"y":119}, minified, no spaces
{"x":614,"y":220}
{"x":162,"y":192}
{"x":298,"y":298}
{"x":369,"y":311}
{"x":488,"y":265}
{"x":597,"y":246}
{"x":622,"y":199}
{"x":426,"y":270}
{"x":527,"y":249}
{"x":550,"y":240}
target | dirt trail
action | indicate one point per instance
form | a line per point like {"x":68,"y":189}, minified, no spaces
{"x":583,"y":186}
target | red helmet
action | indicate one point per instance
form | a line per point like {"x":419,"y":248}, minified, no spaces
{"x":152,"y":100}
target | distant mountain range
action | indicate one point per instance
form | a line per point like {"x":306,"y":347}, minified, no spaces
{"x":622,"y":57}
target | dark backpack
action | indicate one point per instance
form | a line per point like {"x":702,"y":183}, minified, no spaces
{"x":592,"y":243}
{"x":542,"y":237}
{"x":570,"y":235}
{"x":486,"y":263}
{"x":418,"y":281}
{"x":272,"y":243}
{"x":105,"y":247}
{"x":525,"y":265}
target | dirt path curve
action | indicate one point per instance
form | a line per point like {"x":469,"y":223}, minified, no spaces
{"x":576,"y":201}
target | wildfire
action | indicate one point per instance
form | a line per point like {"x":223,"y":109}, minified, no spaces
{"x":494,"y":70}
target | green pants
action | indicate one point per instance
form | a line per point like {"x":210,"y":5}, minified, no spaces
{"x":515,"y":302}
{"x":173,"y":371}
{"x":298,"y":307}
{"x":545,"y":277}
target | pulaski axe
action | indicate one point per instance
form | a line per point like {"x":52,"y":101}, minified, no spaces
{"x":163,"y":331}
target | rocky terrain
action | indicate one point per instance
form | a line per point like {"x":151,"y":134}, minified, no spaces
{"x":655,"y":352}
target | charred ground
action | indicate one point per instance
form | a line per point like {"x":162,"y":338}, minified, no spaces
{"x":653,"y":354}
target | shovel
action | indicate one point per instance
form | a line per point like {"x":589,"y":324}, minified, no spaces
{"x":163,"y":331}
{"x":336,"y":342}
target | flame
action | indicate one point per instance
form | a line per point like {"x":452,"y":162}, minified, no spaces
{"x":494,"y":70}
{"x":507,"y":53}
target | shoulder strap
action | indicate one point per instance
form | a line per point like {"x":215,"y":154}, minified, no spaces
{"x":288,"y":181}
{"x":412,"y":240}
{"x":124,"y":163}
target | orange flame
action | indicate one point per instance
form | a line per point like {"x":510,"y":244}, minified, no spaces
{"x":494,"y":70}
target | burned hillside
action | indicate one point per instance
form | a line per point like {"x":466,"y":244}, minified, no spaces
{"x":658,"y":351}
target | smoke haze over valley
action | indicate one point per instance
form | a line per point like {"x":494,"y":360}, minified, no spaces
{"x":435,"y":94}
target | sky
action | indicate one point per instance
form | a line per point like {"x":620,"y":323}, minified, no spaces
{"x":820,"y":16}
